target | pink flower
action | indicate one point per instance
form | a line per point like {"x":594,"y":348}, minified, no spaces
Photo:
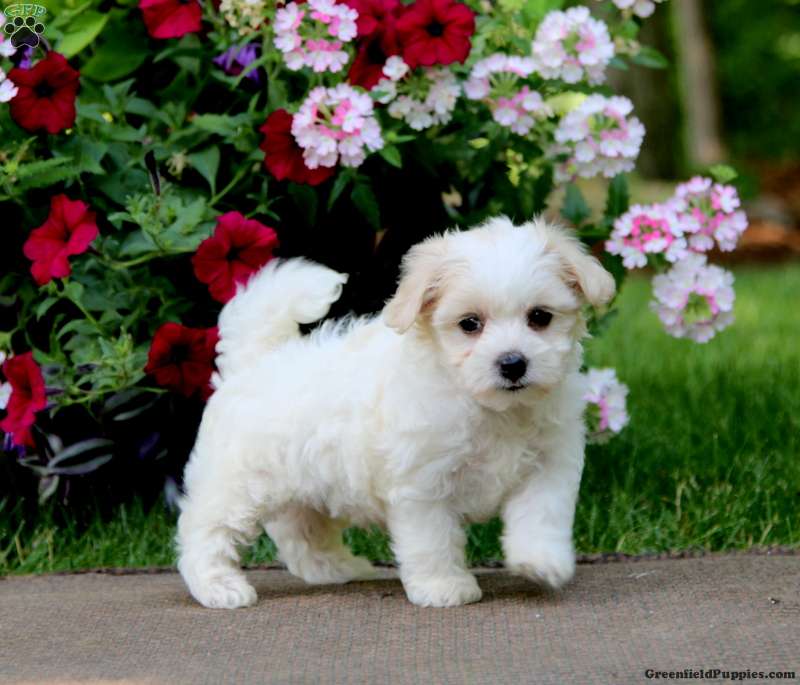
{"x":313,"y":34}
{"x":694,"y":299}
{"x":495,"y":81}
{"x":643,"y":230}
{"x":709,"y":213}
{"x":336,"y":125}
{"x":599,"y":136}
{"x":606,"y":407}
{"x":572,"y":46}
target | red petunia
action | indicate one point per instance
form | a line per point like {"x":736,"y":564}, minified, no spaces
{"x":377,"y":25}
{"x":27,"y":397}
{"x":182,"y":358}
{"x":69,"y":230}
{"x":238,"y":248}
{"x":46,"y":96}
{"x":283,"y":157}
{"x":435,"y":32}
{"x":171,"y":18}
{"x":375,"y":16}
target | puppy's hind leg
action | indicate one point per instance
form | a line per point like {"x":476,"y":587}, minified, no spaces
{"x":208,"y":541}
{"x":311,"y":546}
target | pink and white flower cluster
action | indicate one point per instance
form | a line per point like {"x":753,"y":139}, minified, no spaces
{"x":599,"y":136}
{"x":572,"y":46}
{"x":647,"y":229}
{"x":710,"y":214}
{"x":605,"y":396}
{"x":694,"y":299}
{"x":336,"y":125}
{"x":495,"y":81}
{"x":313,"y":35}
{"x":424,"y":98}
{"x":700,"y":214}
{"x":641,"y":8}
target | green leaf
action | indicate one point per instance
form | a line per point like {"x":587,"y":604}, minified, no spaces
{"x":392,"y":155}
{"x":123,"y":52}
{"x":535,"y":10}
{"x":618,"y":198}
{"x":222,"y":124}
{"x":207,"y":164}
{"x":33,"y":169}
{"x":575,"y":210}
{"x":650,"y":57}
{"x":723,"y":173}
{"x":44,"y":305}
{"x":341,"y":182}
{"x":82,"y":31}
{"x":305,"y":198}
{"x":364,"y":199}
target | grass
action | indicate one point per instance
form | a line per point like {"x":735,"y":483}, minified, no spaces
{"x":711,"y":458}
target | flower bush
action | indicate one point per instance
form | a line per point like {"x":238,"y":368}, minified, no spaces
{"x":179,"y":147}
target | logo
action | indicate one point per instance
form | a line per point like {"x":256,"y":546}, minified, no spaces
{"x":24,"y":24}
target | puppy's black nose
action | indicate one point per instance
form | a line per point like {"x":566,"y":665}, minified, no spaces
{"x":512,"y":366}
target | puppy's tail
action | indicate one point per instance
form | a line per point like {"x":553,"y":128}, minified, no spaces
{"x":266,"y":312}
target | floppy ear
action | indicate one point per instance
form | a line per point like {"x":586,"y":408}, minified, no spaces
{"x":582,"y":270}
{"x":419,"y":277}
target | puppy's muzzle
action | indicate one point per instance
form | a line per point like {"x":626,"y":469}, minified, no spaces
{"x":513,"y":366}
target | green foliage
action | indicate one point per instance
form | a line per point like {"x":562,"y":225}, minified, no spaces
{"x":758,"y":65}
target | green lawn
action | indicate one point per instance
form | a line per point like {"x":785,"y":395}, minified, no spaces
{"x":711,"y":458}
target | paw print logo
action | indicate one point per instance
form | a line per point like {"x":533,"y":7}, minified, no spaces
{"x":24,"y":24}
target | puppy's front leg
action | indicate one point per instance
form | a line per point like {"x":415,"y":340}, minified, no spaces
{"x":538,"y":519}
{"x":428,"y":541}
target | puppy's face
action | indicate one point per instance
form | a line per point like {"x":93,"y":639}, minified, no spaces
{"x":501,"y":305}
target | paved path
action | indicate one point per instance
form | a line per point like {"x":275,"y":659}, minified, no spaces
{"x":611,"y":624}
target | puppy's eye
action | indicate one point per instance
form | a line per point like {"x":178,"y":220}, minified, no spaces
{"x":539,"y":318}
{"x":470,"y":324}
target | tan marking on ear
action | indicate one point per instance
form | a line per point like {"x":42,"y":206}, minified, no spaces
{"x":582,"y":270}
{"x":420,"y":273}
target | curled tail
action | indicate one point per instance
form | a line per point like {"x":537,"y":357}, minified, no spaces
{"x":266,"y":312}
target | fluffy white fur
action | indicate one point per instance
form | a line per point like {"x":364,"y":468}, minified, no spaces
{"x":403,"y":420}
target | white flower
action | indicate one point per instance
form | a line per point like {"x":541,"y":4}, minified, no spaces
{"x":425,"y":99}
{"x":641,"y":8}
{"x":336,"y":124}
{"x":7,"y":88}
{"x":246,"y":16}
{"x":643,"y":230}
{"x":606,"y":404}
{"x":395,"y":68}
{"x":572,"y":46}
{"x":694,"y":299}
{"x":313,"y":35}
{"x":597,"y":137}
{"x":5,"y":395}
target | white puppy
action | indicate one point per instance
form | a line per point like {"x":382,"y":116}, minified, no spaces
{"x":462,"y":401}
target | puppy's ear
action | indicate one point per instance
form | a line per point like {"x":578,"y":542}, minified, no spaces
{"x":582,"y":270}
{"x":420,"y":273}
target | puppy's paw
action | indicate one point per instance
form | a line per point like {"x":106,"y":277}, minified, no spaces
{"x":550,"y":563}
{"x":225,"y":592}
{"x":443,"y":591}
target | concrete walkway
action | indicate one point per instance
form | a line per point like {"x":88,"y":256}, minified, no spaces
{"x":614,"y":622}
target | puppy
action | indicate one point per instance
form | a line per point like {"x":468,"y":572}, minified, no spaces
{"x":462,"y":400}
